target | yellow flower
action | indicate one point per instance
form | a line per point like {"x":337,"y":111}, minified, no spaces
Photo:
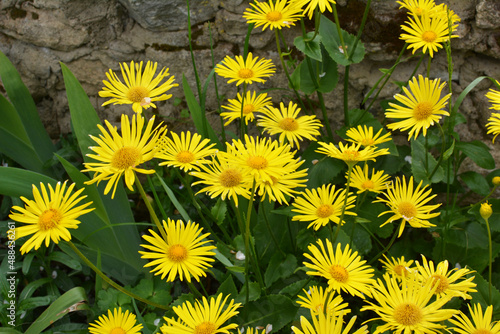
{"x":485,"y":210}
{"x":140,"y":89}
{"x":205,"y":317}
{"x":319,"y":301}
{"x":327,"y":324}
{"x":364,"y":136}
{"x":449,"y":283}
{"x":284,"y":121}
{"x":398,"y":268}
{"x":225,"y":179}
{"x":344,"y":270}
{"x":418,"y":7}
{"x":312,"y":5}
{"x":322,"y":205}
{"x":352,"y":154}
{"x":496,"y":181}
{"x":360,"y":180}
{"x":408,"y":204}
{"x":252,"y":104}
{"x":185,"y":253}
{"x":49,"y":215}
{"x":117,"y":322}
{"x":420,"y":107}
{"x":494,"y":97}
{"x":407,"y":307}
{"x":184,"y":152}
{"x":273,"y":15}
{"x":427,"y":32}
{"x":245,"y":71}
{"x":493,"y":125}
{"x":121,"y":155}
{"x":480,"y":324}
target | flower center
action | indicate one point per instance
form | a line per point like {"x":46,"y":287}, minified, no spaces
{"x":117,"y":330}
{"x":257,"y":162}
{"x":205,"y":327}
{"x":407,"y":314}
{"x":319,"y":307}
{"x":368,"y":184}
{"x":339,"y":273}
{"x":422,"y":111}
{"x":274,"y":16}
{"x":400,"y":270}
{"x":245,"y":73}
{"x":137,"y":94}
{"x":288,"y":124}
{"x":407,"y":210}
{"x":185,"y":157}
{"x":441,"y":281}
{"x":367,"y":142}
{"x":351,"y":155}
{"x":324,"y":210}
{"x":248,"y":108}
{"x":125,"y":157}
{"x":230,"y":178}
{"x":49,"y":219}
{"x":482,"y":331}
{"x":429,"y":36}
{"x":177,"y":253}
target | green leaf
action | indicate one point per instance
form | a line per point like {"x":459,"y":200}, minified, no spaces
{"x":254,"y":293}
{"x":325,"y":71}
{"x":418,"y":167}
{"x":26,"y":108}
{"x":22,"y":153}
{"x":324,"y":171}
{"x":34,"y":302}
{"x":18,"y":182}
{"x":482,"y":294}
{"x":174,"y":200}
{"x":311,"y":48}
{"x":449,"y":151}
{"x":228,"y":287}
{"x":12,"y":122}
{"x":331,"y":41}
{"x":31,"y":287}
{"x":296,"y":287}
{"x":219,"y":211}
{"x":73,"y":300}
{"x":279,"y":267}
{"x":65,"y":259}
{"x":476,"y":182}
{"x":478,"y":152}
{"x":145,"y":288}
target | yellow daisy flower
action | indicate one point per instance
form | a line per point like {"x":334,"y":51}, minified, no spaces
{"x":185,"y":152}
{"x":49,"y":215}
{"x":284,"y":121}
{"x":361,"y":181}
{"x":352,"y":154}
{"x":344,"y":270}
{"x":116,"y":322}
{"x":480,"y":324}
{"x":140,"y":89}
{"x":121,"y":154}
{"x":273,"y":15}
{"x":322,"y":205}
{"x":418,"y":7}
{"x":319,"y":301}
{"x":245,"y":71}
{"x":327,"y":324}
{"x":421,"y":106}
{"x":285,"y":185}
{"x":205,"y":317}
{"x":224,"y":179}
{"x":364,"y":135}
{"x":398,"y":267}
{"x":494,"y":98}
{"x":493,"y":125}
{"x":312,"y":5}
{"x":407,"y":307}
{"x":252,"y":104}
{"x":262,"y":158}
{"x":451,"y":283}
{"x":426,"y":32}
{"x":185,"y":253}
{"x":409,"y":205}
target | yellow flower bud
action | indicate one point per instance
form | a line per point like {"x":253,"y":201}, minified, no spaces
{"x":485,"y":210}
{"x":496,"y":181}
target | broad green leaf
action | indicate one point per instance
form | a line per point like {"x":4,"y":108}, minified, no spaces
{"x":420,"y":170}
{"x":22,"y":153}
{"x":476,"y":182}
{"x":65,"y":259}
{"x":482,"y":295}
{"x":279,"y":268}
{"x":324,"y":75}
{"x":71,"y":301}
{"x":31,"y":287}
{"x":18,"y":182}
{"x":9,"y":330}
{"x":23,"y":102}
{"x":478,"y":152}
{"x":11,"y":121}
{"x":34,"y":302}
{"x":228,"y":287}
{"x":254,"y":293}
{"x":311,"y":48}
{"x":449,"y":151}
{"x":219,"y":211}
{"x":174,"y":200}
{"x":331,"y":41}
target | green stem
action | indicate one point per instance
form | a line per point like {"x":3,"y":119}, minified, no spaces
{"x":346,"y":96}
{"x":361,"y":28}
{"x":339,"y":31}
{"x":111,"y":282}
{"x":242,"y":120}
{"x":443,"y":147}
{"x":152,"y":212}
{"x":490,"y":258}
{"x":349,"y":172}
{"x":429,"y":66}
{"x":194,"y":290}
{"x":252,"y":255}
{"x":389,"y":245}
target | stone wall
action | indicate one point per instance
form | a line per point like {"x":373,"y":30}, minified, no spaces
{"x":92,"y":36}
